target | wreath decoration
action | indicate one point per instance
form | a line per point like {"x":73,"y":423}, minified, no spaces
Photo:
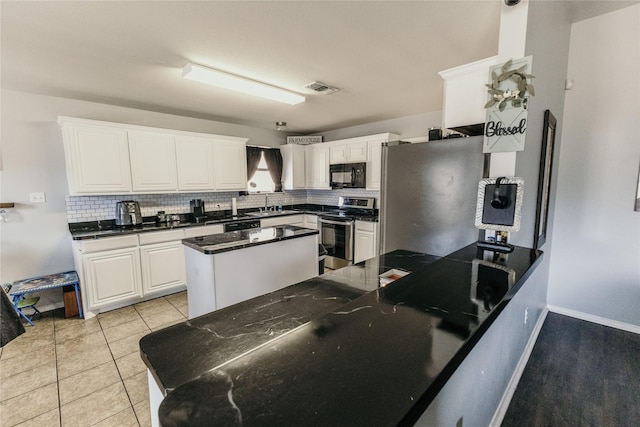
{"x":517,"y":97}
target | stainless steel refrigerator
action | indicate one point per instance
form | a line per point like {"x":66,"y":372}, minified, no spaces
{"x":428,"y":195}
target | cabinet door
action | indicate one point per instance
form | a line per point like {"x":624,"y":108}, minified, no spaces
{"x":319,"y":165}
{"x":374,"y":165}
{"x":338,"y":154}
{"x":357,"y":152}
{"x":97,"y":159}
{"x":293,"y":167}
{"x":112,"y":276}
{"x":364,"y":246}
{"x":283,"y":220}
{"x":365,"y":243}
{"x":310,"y":221}
{"x":153,"y":162}
{"x":195,"y":162}
{"x":163,"y":267}
{"x":230,"y":165}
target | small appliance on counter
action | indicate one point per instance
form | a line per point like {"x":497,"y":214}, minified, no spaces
{"x":128,"y":213}
{"x":197,"y":210}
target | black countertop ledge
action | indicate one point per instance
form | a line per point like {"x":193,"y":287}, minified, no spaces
{"x":233,"y":240}
{"x":336,"y":349}
{"x":107,"y":228}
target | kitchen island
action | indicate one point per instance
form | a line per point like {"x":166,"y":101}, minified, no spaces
{"x":227,"y":268}
{"x":366,"y":355}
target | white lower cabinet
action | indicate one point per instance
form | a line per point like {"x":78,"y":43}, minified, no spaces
{"x":123,"y":270}
{"x":163,"y":267}
{"x":365,"y":241}
{"x":112,"y":276}
{"x":283,"y":220}
{"x":310,"y":221}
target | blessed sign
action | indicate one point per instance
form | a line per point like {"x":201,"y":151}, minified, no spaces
{"x":506,"y":124}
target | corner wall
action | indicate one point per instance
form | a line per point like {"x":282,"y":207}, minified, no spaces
{"x":595,"y":263}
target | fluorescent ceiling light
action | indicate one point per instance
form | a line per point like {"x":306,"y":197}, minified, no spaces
{"x":224,"y":80}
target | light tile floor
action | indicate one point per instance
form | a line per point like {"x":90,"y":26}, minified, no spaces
{"x":75,"y":372}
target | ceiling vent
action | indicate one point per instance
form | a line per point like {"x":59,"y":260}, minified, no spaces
{"x":321,"y":87}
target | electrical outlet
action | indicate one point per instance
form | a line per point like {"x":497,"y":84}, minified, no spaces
{"x":37,"y":197}
{"x":526,"y":315}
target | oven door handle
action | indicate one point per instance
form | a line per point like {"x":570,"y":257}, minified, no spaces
{"x":327,"y":221}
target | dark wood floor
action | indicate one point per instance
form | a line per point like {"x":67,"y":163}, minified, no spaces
{"x":579,"y":374}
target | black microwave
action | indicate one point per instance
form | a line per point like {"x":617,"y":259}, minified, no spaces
{"x":348,"y":175}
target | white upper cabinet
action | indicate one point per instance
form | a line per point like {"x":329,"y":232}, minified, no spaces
{"x":465,"y":93}
{"x":153,"y":162}
{"x":194,"y":155}
{"x":317,"y":166}
{"x":348,"y":152}
{"x":374,"y":158}
{"x":374,"y":165}
{"x":293,"y":166}
{"x":97,"y":158}
{"x":230,"y":165}
{"x":114,"y":158}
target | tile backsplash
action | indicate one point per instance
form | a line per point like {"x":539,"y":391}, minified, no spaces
{"x":99,"y":208}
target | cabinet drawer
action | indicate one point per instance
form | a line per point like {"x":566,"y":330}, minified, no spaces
{"x":203,"y":231}
{"x":108,"y":243}
{"x":161,"y":236}
{"x":365,"y":226}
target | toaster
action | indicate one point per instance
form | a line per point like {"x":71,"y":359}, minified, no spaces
{"x":128,"y":213}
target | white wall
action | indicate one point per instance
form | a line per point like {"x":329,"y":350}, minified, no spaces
{"x":36,"y":240}
{"x":595,"y":262}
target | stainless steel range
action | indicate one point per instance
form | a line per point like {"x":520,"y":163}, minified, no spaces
{"x":336,"y":229}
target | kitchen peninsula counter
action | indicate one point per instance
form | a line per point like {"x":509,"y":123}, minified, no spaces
{"x":350,"y":354}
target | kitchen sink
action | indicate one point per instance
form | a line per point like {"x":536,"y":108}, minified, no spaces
{"x":272,"y":213}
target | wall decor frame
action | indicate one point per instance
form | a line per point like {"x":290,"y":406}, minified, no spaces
{"x":544,"y":179}
{"x":485,"y":195}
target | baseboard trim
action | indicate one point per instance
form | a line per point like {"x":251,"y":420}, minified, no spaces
{"x":594,"y":319}
{"x":498,"y":416}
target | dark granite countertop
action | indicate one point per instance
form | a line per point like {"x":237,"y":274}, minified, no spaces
{"x":346,"y":356}
{"x":233,"y":240}
{"x":232,"y":331}
{"x":107,"y":228}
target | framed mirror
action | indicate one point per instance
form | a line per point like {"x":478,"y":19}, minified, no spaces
{"x":544,"y":179}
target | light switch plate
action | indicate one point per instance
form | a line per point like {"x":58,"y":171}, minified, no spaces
{"x":37,"y":197}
